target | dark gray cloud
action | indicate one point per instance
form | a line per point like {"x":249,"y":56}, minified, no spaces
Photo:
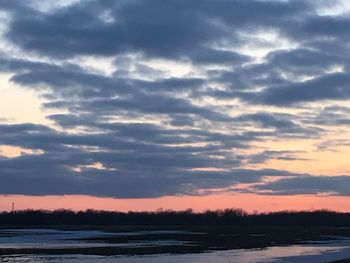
{"x":311,"y":79}
{"x":331,"y":86}
{"x":330,"y":116}
{"x":305,"y":61}
{"x":134,"y":156}
{"x":157,"y":28}
{"x":333,"y":185}
{"x":157,"y":133}
{"x":283,"y":124}
{"x":277,"y":155}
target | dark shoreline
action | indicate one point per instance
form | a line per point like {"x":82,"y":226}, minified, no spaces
{"x":235,"y":217}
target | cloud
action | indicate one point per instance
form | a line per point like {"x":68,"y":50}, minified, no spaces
{"x":333,"y":185}
{"x":171,"y":29}
{"x":282,"y":123}
{"x":134,"y":156}
{"x":277,"y":155}
{"x":331,"y":86}
{"x":191,"y":90}
{"x":331,"y":116}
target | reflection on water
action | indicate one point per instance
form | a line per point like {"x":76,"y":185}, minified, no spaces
{"x":309,"y":252}
{"x":297,"y":254}
{"x":51,"y":238}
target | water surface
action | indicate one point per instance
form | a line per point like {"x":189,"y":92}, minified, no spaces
{"x":308,"y":252}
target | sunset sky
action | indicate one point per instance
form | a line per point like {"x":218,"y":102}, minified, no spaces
{"x":175,"y":104}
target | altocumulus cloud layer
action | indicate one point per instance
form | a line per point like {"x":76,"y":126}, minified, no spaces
{"x":165,"y":97}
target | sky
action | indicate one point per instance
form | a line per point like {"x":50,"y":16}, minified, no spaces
{"x":175,"y":104}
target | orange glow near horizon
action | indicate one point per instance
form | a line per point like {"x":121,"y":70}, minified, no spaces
{"x":248,"y":202}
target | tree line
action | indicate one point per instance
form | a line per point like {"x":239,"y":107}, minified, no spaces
{"x":169,"y":217}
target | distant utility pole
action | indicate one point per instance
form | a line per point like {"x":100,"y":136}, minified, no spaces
{"x":13,"y":207}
